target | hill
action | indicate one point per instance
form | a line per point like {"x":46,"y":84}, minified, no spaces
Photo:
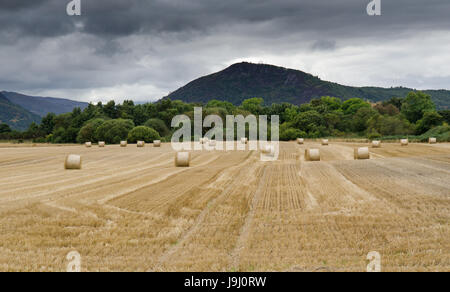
{"x":15,"y":116}
{"x":277,"y":84}
{"x":43,"y":105}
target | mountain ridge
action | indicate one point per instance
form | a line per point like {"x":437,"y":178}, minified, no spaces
{"x":15,"y":116}
{"x":43,"y":105}
{"x":275,"y":84}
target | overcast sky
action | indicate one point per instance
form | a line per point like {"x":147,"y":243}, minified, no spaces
{"x":144,"y":49}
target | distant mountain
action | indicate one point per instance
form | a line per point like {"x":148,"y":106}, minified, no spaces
{"x":276,"y":85}
{"x":15,"y":116}
{"x":43,"y":105}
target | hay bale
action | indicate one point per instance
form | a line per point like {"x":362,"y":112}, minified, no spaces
{"x":157,"y":143}
{"x":432,"y":140}
{"x":312,"y":155}
{"x":325,"y":142}
{"x":182,"y":159}
{"x":140,"y":144}
{"x":300,"y":141}
{"x":404,"y":142}
{"x":123,"y":143}
{"x":268,"y":150}
{"x":101,"y":144}
{"x":376,"y":144}
{"x":362,"y":153}
{"x":88,"y":144}
{"x":244,"y":140}
{"x":72,"y":162}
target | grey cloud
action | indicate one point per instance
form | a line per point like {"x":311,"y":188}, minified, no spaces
{"x":113,"y":18}
{"x":151,"y":47}
{"x":324,"y":45}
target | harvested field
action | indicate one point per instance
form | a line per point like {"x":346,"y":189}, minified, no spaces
{"x":131,"y":209}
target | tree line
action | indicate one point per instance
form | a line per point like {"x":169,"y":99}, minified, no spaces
{"x":414,"y":114}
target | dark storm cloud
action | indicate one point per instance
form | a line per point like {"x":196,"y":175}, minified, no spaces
{"x":11,"y":5}
{"x":146,"y":48}
{"x":124,"y":17}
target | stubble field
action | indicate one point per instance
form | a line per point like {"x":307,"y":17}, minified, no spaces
{"x":131,"y":209}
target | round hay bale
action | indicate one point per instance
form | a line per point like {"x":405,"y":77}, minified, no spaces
{"x":268,"y":150}
{"x":325,"y":142}
{"x":404,"y":142}
{"x":140,"y":144}
{"x":312,"y":155}
{"x":182,"y":159}
{"x":376,"y":144}
{"x":432,"y":140}
{"x":301,"y":141}
{"x":101,"y":144}
{"x":72,"y":162}
{"x":123,"y":143}
{"x":244,"y":140}
{"x":88,"y":144}
{"x":157,"y":143}
{"x":362,"y":153}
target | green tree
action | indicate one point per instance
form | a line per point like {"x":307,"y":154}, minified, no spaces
{"x":331,"y":103}
{"x":445,"y":115}
{"x":430,"y":120}
{"x":253,"y":105}
{"x":291,"y":134}
{"x":88,"y":132}
{"x":143,"y":133}
{"x":114,"y":131}
{"x":387,"y":109}
{"x":397,"y":102}
{"x":110,"y":110}
{"x":48,"y":123}
{"x":351,"y":106}
{"x":361,"y":118}
{"x":223,"y":104}
{"x":386,"y":125}
{"x":159,"y":126}
{"x":416,"y":104}
{"x":33,"y":131}
{"x":309,"y":122}
{"x":4,"y":128}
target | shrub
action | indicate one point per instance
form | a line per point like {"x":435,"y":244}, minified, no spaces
{"x":374,"y":135}
{"x":159,"y":126}
{"x":291,"y":134}
{"x":387,"y":125}
{"x":4,"y":128}
{"x":430,"y":119}
{"x":114,"y":131}
{"x":143,"y":133}
{"x":88,"y":131}
{"x":442,"y":133}
{"x":415,"y":105}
